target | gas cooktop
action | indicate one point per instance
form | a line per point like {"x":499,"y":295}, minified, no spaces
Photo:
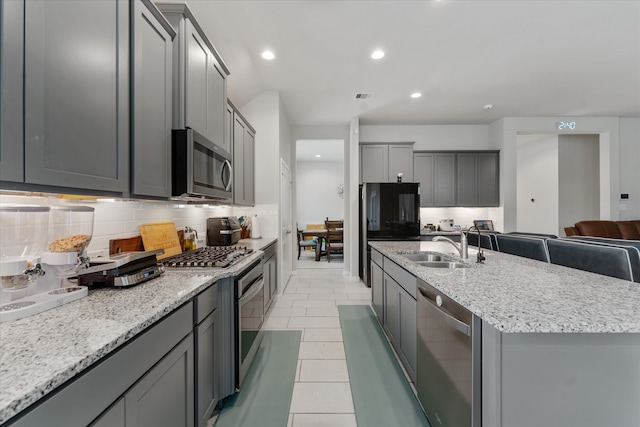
{"x":208,"y":256}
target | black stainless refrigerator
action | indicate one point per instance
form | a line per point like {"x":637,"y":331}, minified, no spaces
{"x":388,"y":211}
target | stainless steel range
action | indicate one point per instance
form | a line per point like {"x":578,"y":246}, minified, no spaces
{"x":208,"y":256}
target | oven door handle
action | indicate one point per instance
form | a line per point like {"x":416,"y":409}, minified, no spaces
{"x":254,"y":288}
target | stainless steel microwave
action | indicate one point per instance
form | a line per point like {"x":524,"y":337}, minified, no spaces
{"x":201,"y":170}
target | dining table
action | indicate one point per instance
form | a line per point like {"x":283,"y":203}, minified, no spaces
{"x":320,"y":235}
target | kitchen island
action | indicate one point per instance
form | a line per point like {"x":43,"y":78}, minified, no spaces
{"x":42,"y":353}
{"x":560,"y":347}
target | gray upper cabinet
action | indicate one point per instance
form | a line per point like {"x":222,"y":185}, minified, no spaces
{"x":243,"y":137}
{"x":11,"y":51}
{"x":151,"y":90}
{"x":423,"y":172}
{"x":199,"y":77}
{"x":383,"y":162}
{"x":465,"y":179}
{"x":478,"y":179}
{"x":76,"y":105}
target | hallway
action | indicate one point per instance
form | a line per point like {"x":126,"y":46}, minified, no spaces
{"x":321,"y":394}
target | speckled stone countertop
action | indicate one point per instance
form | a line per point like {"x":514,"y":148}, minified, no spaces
{"x":519,"y":295}
{"x":41,"y":352}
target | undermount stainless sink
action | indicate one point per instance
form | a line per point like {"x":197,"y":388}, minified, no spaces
{"x":434,"y":260}
{"x":442,"y":264}
{"x":425,"y":256}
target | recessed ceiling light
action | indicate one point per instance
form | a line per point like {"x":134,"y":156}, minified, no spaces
{"x":268,"y":55}
{"x":318,"y":155}
{"x":488,"y":107}
{"x":416,"y":95}
{"x":377,"y":54}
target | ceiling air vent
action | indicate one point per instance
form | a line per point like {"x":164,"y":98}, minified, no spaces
{"x":363,"y":95}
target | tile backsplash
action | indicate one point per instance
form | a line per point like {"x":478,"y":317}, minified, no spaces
{"x":116,"y":218}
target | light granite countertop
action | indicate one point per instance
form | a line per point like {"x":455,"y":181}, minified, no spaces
{"x":519,"y":295}
{"x":41,"y":352}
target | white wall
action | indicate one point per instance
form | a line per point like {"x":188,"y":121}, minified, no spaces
{"x":316,"y":193}
{"x":578,"y":179}
{"x":431,"y":137}
{"x":630,"y":168}
{"x":538,"y":186}
{"x":504,"y":133}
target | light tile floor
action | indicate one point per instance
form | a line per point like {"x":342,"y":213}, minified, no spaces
{"x":321,"y":393}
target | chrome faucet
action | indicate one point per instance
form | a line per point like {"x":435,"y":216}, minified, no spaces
{"x":463,"y":247}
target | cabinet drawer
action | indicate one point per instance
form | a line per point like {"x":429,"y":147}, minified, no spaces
{"x":206,"y":302}
{"x":376,"y":257}
{"x":400,"y":275}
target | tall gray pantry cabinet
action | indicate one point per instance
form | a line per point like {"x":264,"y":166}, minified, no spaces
{"x":76,"y":94}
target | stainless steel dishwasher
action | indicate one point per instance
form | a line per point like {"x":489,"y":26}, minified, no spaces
{"x":448,"y":368}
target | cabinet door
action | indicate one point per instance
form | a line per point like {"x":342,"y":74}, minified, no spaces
{"x":467,"y":182}
{"x":374,"y":163}
{"x":424,"y":172}
{"x":270,"y":277}
{"x":377,"y":291}
{"x":152,"y":100}
{"x":77,"y":94}
{"x":112,"y":417}
{"x":249,"y":167}
{"x":11,"y":51}
{"x":392,"y":309}
{"x":238,"y":161}
{"x":408,"y":331}
{"x":206,"y":368}
{"x":164,"y":396}
{"x":400,"y":161}
{"x":488,"y":179}
{"x":200,"y":80}
{"x":218,"y":102}
{"x":445,"y":179}
{"x":273,"y":273}
{"x":228,"y":128}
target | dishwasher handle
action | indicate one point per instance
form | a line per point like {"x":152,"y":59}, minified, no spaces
{"x":449,"y":319}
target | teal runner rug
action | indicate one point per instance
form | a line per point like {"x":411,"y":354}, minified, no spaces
{"x":265,"y":398}
{"x":381,"y":394}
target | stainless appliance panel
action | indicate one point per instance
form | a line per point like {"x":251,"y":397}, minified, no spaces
{"x":249,"y":304}
{"x":448,"y":377}
{"x":201,"y":170}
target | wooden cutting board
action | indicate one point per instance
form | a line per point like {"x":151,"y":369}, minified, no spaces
{"x":161,"y":235}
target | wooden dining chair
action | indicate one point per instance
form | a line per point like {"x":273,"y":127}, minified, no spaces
{"x":335,"y":237}
{"x":302,"y":243}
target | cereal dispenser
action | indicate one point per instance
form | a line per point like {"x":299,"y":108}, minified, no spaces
{"x":23,"y":238}
{"x":68,"y":231}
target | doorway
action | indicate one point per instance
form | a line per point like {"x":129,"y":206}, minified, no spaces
{"x":320,"y":180}
{"x":558,"y":181}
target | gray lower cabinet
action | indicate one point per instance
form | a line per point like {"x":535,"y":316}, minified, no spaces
{"x":161,"y":397}
{"x":383,"y":162}
{"x":76,"y":94}
{"x":153,"y":374}
{"x":398,"y":306}
{"x":464,"y":179}
{"x":151,"y":93}
{"x":270,"y":273}
{"x":243,"y":142}
{"x":11,"y":100}
{"x":207,"y":354}
{"x":377,"y":285}
{"x":164,"y":395}
{"x":199,"y":77}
